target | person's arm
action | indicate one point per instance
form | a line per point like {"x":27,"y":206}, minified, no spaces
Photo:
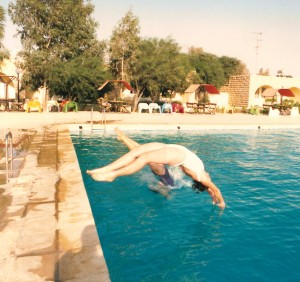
{"x":214,"y":192}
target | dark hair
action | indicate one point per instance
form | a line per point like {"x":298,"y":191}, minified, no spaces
{"x":198,"y":186}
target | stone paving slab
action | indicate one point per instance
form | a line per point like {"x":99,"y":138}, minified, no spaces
{"x":47,"y":229}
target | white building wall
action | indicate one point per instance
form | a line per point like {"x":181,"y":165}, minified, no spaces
{"x":221,"y":99}
{"x":11,"y":93}
{"x":257,"y":82}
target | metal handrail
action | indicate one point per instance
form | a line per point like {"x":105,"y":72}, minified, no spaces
{"x":103,"y":118}
{"x":8,"y":139}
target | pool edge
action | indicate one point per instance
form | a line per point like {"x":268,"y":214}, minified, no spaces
{"x":75,"y":214}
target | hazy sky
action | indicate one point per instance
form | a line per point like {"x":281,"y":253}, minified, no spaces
{"x":221,"y":27}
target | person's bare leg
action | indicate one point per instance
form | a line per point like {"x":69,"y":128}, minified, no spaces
{"x":158,"y":169}
{"x":127,"y":158}
{"x":126,"y":140}
{"x":134,"y":166}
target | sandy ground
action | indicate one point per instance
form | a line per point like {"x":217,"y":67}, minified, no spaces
{"x":47,"y":231}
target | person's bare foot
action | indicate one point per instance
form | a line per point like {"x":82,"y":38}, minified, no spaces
{"x":97,"y":170}
{"x":103,"y":177}
{"x":119,"y":133}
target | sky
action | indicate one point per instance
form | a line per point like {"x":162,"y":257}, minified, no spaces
{"x":260,"y":33}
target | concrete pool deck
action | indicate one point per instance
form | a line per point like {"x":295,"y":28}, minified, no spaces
{"x":47,"y":231}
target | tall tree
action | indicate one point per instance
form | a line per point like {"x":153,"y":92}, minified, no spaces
{"x":3,"y":52}
{"x":124,"y":44}
{"x":207,"y":66}
{"x":232,"y":66}
{"x":52,"y":32}
{"x":78,"y":79}
{"x":2,"y":20}
{"x":160,"y":68}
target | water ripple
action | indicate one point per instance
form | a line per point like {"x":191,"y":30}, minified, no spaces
{"x":148,"y":237}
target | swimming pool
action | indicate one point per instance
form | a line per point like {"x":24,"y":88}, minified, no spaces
{"x":146,"y":236}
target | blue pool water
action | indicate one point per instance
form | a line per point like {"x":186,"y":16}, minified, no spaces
{"x":146,"y":236}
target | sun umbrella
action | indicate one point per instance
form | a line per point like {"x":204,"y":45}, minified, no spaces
{"x":286,"y":92}
{"x":211,"y":89}
{"x":269,"y":92}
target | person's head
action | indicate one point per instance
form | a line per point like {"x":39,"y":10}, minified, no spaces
{"x":198,"y":186}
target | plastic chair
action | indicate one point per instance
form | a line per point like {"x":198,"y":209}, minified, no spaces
{"x":70,"y":106}
{"x":177,"y":108}
{"x":154,"y":106}
{"x":295,"y":111}
{"x":143,"y":106}
{"x":273,"y":113}
{"x":52,"y":106}
{"x":166,"y":107}
{"x":33,"y":105}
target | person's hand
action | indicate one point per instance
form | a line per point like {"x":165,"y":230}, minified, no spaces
{"x":221,"y":205}
{"x":216,"y":200}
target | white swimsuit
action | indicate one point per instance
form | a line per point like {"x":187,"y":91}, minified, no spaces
{"x":191,"y":161}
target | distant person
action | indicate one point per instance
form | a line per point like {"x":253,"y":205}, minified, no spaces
{"x":104,"y":104}
{"x":157,"y":155}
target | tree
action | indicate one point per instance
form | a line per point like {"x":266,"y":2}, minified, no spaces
{"x":213,"y":69}
{"x":159,"y":69}
{"x":2,"y":20}
{"x":193,"y":77}
{"x":3,"y":52}
{"x":53,"y":33}
{"x":232,"y":66}
{"x":124,"y":43}
{"x":78,"y":79}
{"x":207,"y":66}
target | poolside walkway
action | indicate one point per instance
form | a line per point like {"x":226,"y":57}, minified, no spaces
{"x":20,"y":120}
{"x":47,"y":230}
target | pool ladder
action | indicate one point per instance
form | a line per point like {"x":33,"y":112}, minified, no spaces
{"x":103,"y":120}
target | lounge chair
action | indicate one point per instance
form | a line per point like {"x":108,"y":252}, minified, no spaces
{"x":166,"y":107}
{"x":143,"y":106}
{"x":177,"y":108}
{"x":52,"y":106}
{"x":273,"y":112}
{"x":70,"y":106}
{"x":295,"y":111}
{"x":154,"y":106}
{"x":33,"y":105}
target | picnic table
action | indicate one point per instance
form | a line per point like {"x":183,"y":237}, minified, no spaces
{"x":118,"y":106}
{"x":19,"y":106}
{"x":209,"y":108}
{"x":202,"y":108}
{"x":283,"y":109}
